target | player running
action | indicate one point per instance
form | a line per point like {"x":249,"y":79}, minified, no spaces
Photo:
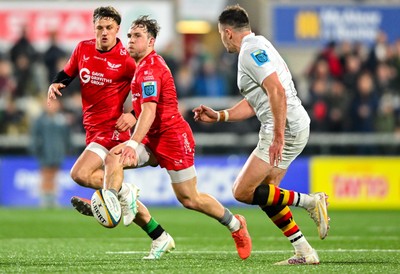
{"x":162,"y":136}
{"x":105,"y":71}
{"x":268,"y":90}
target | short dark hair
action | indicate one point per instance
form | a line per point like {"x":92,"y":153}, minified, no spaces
{"x":235,"y":16}
{"x":151,"y":25}
{"x":107,"y":12}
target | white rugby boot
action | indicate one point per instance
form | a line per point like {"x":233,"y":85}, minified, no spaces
{"x":163,"y":244}
{"x":128,"y":199}
{"x":319,"y":213}
{"x":299,"y":259}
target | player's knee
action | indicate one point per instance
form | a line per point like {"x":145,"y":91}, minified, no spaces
{"x":241,"y":194}
{"x":80,"y":176}
{"x":189,"y":203}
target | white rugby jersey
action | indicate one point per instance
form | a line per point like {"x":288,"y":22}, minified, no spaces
{"x":257,"y":60}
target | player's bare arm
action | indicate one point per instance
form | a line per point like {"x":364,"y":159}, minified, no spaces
{"x":125,"y":122}
{"x":144,"y":122}
{"x":277,"y":100}
{"x":241,"y":111}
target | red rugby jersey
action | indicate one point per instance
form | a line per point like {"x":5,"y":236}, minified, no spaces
{"x":153,"y":82}
{"x":105,"y":82}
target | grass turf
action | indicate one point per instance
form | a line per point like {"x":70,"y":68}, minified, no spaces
{"x":62,"y":241}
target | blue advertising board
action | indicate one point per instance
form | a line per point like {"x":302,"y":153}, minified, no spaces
{"x":20,"y":181}
{"x":314,"y":25}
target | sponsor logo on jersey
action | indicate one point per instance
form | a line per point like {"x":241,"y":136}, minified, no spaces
{"x":149,"y":89}
{"x":95,"y":78}
{"x":260,"y":57}
{"x":85,"y":59}
{"x":113,"y":66}
{"x":84,"y":74}
{"x":100,"y":58}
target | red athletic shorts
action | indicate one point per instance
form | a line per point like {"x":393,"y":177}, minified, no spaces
{"x":174,"y":148}
{"x":107,"y":139}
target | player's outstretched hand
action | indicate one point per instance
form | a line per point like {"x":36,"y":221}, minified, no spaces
{"x":205,"y":114}
{"x":54,"y":89}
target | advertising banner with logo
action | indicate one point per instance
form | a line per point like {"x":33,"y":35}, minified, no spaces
{"x":20,"y":179}
{"x":315,"y":25}
{"x":73,"y":20}
{"x":357,"y":183}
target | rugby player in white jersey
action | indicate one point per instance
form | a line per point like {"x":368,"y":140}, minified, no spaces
{"x":265,"y":82}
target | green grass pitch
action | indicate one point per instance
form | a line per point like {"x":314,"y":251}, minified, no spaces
{"x":63,"y":241}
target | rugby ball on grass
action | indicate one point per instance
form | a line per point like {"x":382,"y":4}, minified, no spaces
{"x":106,"y":208}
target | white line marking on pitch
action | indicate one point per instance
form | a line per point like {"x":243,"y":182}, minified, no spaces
{"x":261,"y":251}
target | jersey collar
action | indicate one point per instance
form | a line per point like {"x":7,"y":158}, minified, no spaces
{"x":248,"y":36}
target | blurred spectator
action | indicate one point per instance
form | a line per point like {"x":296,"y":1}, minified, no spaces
{"x":23,"y":57}
{"x":364,"y":104}
{"x":52,"y":57}
{"x":12,"y":120}
{"x":331,"y":56}
{"x":384,"y":78}
{"x":170,"y":58}
{"x":378,"y":52}
{"x":319,"y":70}
{"x":395,"y":62}
{"x":386,"y":118}
{"x":352,"y":70}
{"x":23,"y":47}
{"x":227,"y":66}
{"x":209,"y":81}
{"x":318,"y":105}
{"x":7,"y":83}
{"x":184,"y":81}
{"x":73,"y":111}
{"x":346,"y":49}
{"x":50,"y":144}
{"x":338,"y":108}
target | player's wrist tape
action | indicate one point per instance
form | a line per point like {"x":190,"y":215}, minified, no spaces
{"x":132,"y":144}
{"x":223,"y":115}
{"x":226,"y":115}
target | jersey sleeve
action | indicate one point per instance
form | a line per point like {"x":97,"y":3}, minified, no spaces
{"x":72,"y":66}
{"x":258,"y":64}
{"x":150,"y":85}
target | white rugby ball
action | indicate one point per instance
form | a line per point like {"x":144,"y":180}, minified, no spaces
{"x":106,"y":208}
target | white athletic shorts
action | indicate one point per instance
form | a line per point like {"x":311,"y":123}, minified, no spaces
{"x":294,"y":145}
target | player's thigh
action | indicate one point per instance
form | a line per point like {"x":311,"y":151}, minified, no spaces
{"x":184,"y":182}
{"x":253,"y":173}
{"x":87,"y":163}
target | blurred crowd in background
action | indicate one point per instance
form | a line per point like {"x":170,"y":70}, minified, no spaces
{"x":350,"y":87}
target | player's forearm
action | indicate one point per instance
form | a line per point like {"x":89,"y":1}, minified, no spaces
{"x":144,"y":122}
{"x":241,"y":111}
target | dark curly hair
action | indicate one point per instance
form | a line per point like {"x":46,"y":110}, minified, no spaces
{"x":151,"y":25}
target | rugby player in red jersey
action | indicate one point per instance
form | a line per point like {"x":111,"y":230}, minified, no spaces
{"x":162,"y":137}
{"x":105,"y":71}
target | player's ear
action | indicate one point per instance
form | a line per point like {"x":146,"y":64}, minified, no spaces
{"x":152,"y":40}
{"x":228,"y":33}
